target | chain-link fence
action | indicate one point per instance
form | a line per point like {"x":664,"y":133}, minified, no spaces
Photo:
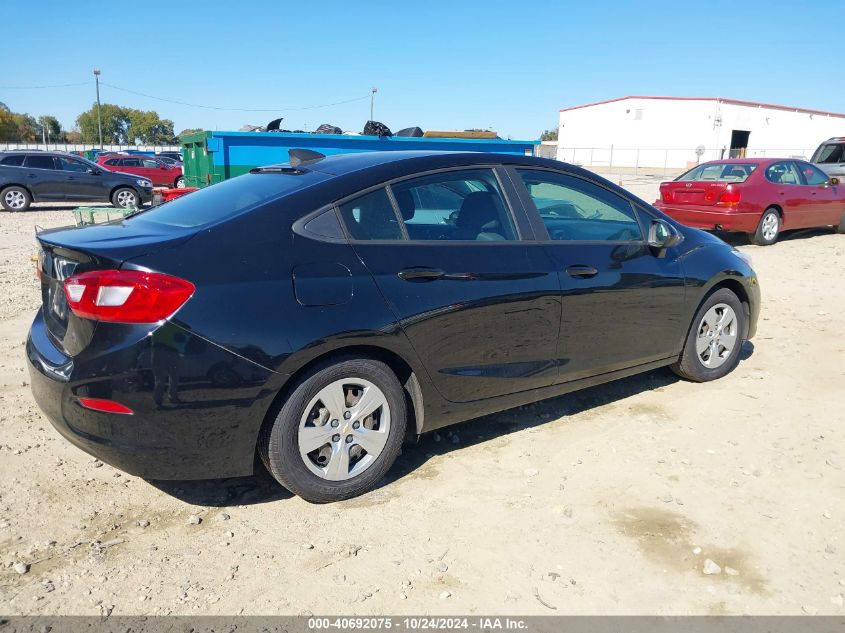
{"x":81,"y":147}
{"x":664,"y":161}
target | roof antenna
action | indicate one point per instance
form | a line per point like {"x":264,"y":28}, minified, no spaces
{"x":304,"y":157}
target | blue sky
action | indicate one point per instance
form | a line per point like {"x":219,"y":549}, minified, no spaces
{"x":506,"y":65}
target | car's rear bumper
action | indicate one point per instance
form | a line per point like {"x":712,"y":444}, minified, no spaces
{"x":703,"y":217}
{"x":196,"y":411}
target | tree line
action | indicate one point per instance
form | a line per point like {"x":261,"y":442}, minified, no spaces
{"x":121,"y":126}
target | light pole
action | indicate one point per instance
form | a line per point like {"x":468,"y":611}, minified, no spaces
{"x":373,"y":92}
{"x":99,"y":121}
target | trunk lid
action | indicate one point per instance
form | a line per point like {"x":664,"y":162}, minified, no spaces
{"x":68,"y":251}
{"x":692,"y":192}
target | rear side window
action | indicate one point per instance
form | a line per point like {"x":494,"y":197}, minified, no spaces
{"x":131,"y":162}
{"x":456,"y":205}
{"x":783,"y":174}
{"x":112,"y":162}
{"x":228,"y":198}
{"x":727,"y":172}
{"x":40,"y":162}
{"x":13,"y":161}
{"x":371,"y":217}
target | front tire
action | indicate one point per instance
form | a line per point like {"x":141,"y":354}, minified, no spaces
{"x":715,"y":338}
{"x":15,"y":198}
{"x":126,"y":198}
{"x":338,"y":432}
{"x":768,"y":229}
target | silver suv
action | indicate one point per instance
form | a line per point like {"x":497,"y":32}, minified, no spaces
{"x":830,"y":157}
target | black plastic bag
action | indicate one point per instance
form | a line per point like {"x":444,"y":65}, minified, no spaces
{"x":413,"y":132}
{"x":374,"y":128}
{"x":328,"y":128}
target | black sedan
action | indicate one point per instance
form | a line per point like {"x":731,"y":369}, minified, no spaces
{"x":319,"y":313}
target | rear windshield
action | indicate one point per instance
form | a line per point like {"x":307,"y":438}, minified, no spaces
{"x":830,"y":153}
{"x":228,"y":198}
{"x":728,"y":172}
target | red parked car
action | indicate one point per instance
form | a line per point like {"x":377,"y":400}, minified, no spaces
{"x":758,"y":196}
{"x":161,"y":174}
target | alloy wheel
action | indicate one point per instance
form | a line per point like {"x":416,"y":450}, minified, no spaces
{"x":344,"y":429}
{"x":15,"y":199}
{"x":126,"y":199}
{"x":717,"y":335}
{"x":770,"y":226}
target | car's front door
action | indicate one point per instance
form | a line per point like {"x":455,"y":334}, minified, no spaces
{"x":477,"y":298}
{"x":798,"y":206}
{"x":79,"y":183}
{"x":43,"y":179}
{"x":622,"y":304}
{"x":827,"y":201}
{"x":155,"y":171}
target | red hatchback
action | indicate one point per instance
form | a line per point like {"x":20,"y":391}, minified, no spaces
{"x":160,"y":173}
{"x":761,"y":197}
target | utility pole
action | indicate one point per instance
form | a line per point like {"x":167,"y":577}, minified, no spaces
{"x":99,"y":121}
{"x":373,"y":92}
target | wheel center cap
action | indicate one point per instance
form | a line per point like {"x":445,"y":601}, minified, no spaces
{"x":346,"y":428}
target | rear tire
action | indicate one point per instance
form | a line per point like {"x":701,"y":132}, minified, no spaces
{"x":15,"y":198}
{"x":179,"y":183}
{"x":715,"y":338}
{"x":768,"y":229}
{"x":841,"y":228}
{"x":126,"y":198}
{"x":322,"y":412}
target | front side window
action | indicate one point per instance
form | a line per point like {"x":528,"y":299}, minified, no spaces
{"x":812,"y":175}
{"x":13,"y":161}
{"x":371,"y":217}
{"x":831,"y":153}
{"x":574,"y":209}
{"x":69,"y":164}
{"x":39,"y":162}
{"x":783,"y":174}
{"x":151,"y":164}
{"x":465,"y":205}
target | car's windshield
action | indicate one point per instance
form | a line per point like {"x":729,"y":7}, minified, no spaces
{"x":729,"y":172}
{"x":228,"y":198}
{"x":830,"y":153}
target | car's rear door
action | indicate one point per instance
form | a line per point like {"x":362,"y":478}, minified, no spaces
{"x":43,"y":178}
{"x":622,"y":304}
{"x":476,"y":296}
{"x":131,"y":166}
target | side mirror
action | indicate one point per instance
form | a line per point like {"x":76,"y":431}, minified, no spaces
{"x":662,"y":235}
{"x":834,"y":181}
{"x":94,"y":172}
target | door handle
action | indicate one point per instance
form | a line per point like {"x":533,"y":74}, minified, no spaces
{"x":581,"y":272}
{"x":421,"y":274}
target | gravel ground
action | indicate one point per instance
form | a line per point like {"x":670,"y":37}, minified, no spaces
{"x":647,"y":496}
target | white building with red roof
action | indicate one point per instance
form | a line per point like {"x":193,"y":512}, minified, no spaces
{"x":673,"y":132}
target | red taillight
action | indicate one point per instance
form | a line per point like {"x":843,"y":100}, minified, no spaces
{"x":666,"y":194}
{"x":730,"y":196}
{"x":106,"y":406}
{"x":126,"y":296}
